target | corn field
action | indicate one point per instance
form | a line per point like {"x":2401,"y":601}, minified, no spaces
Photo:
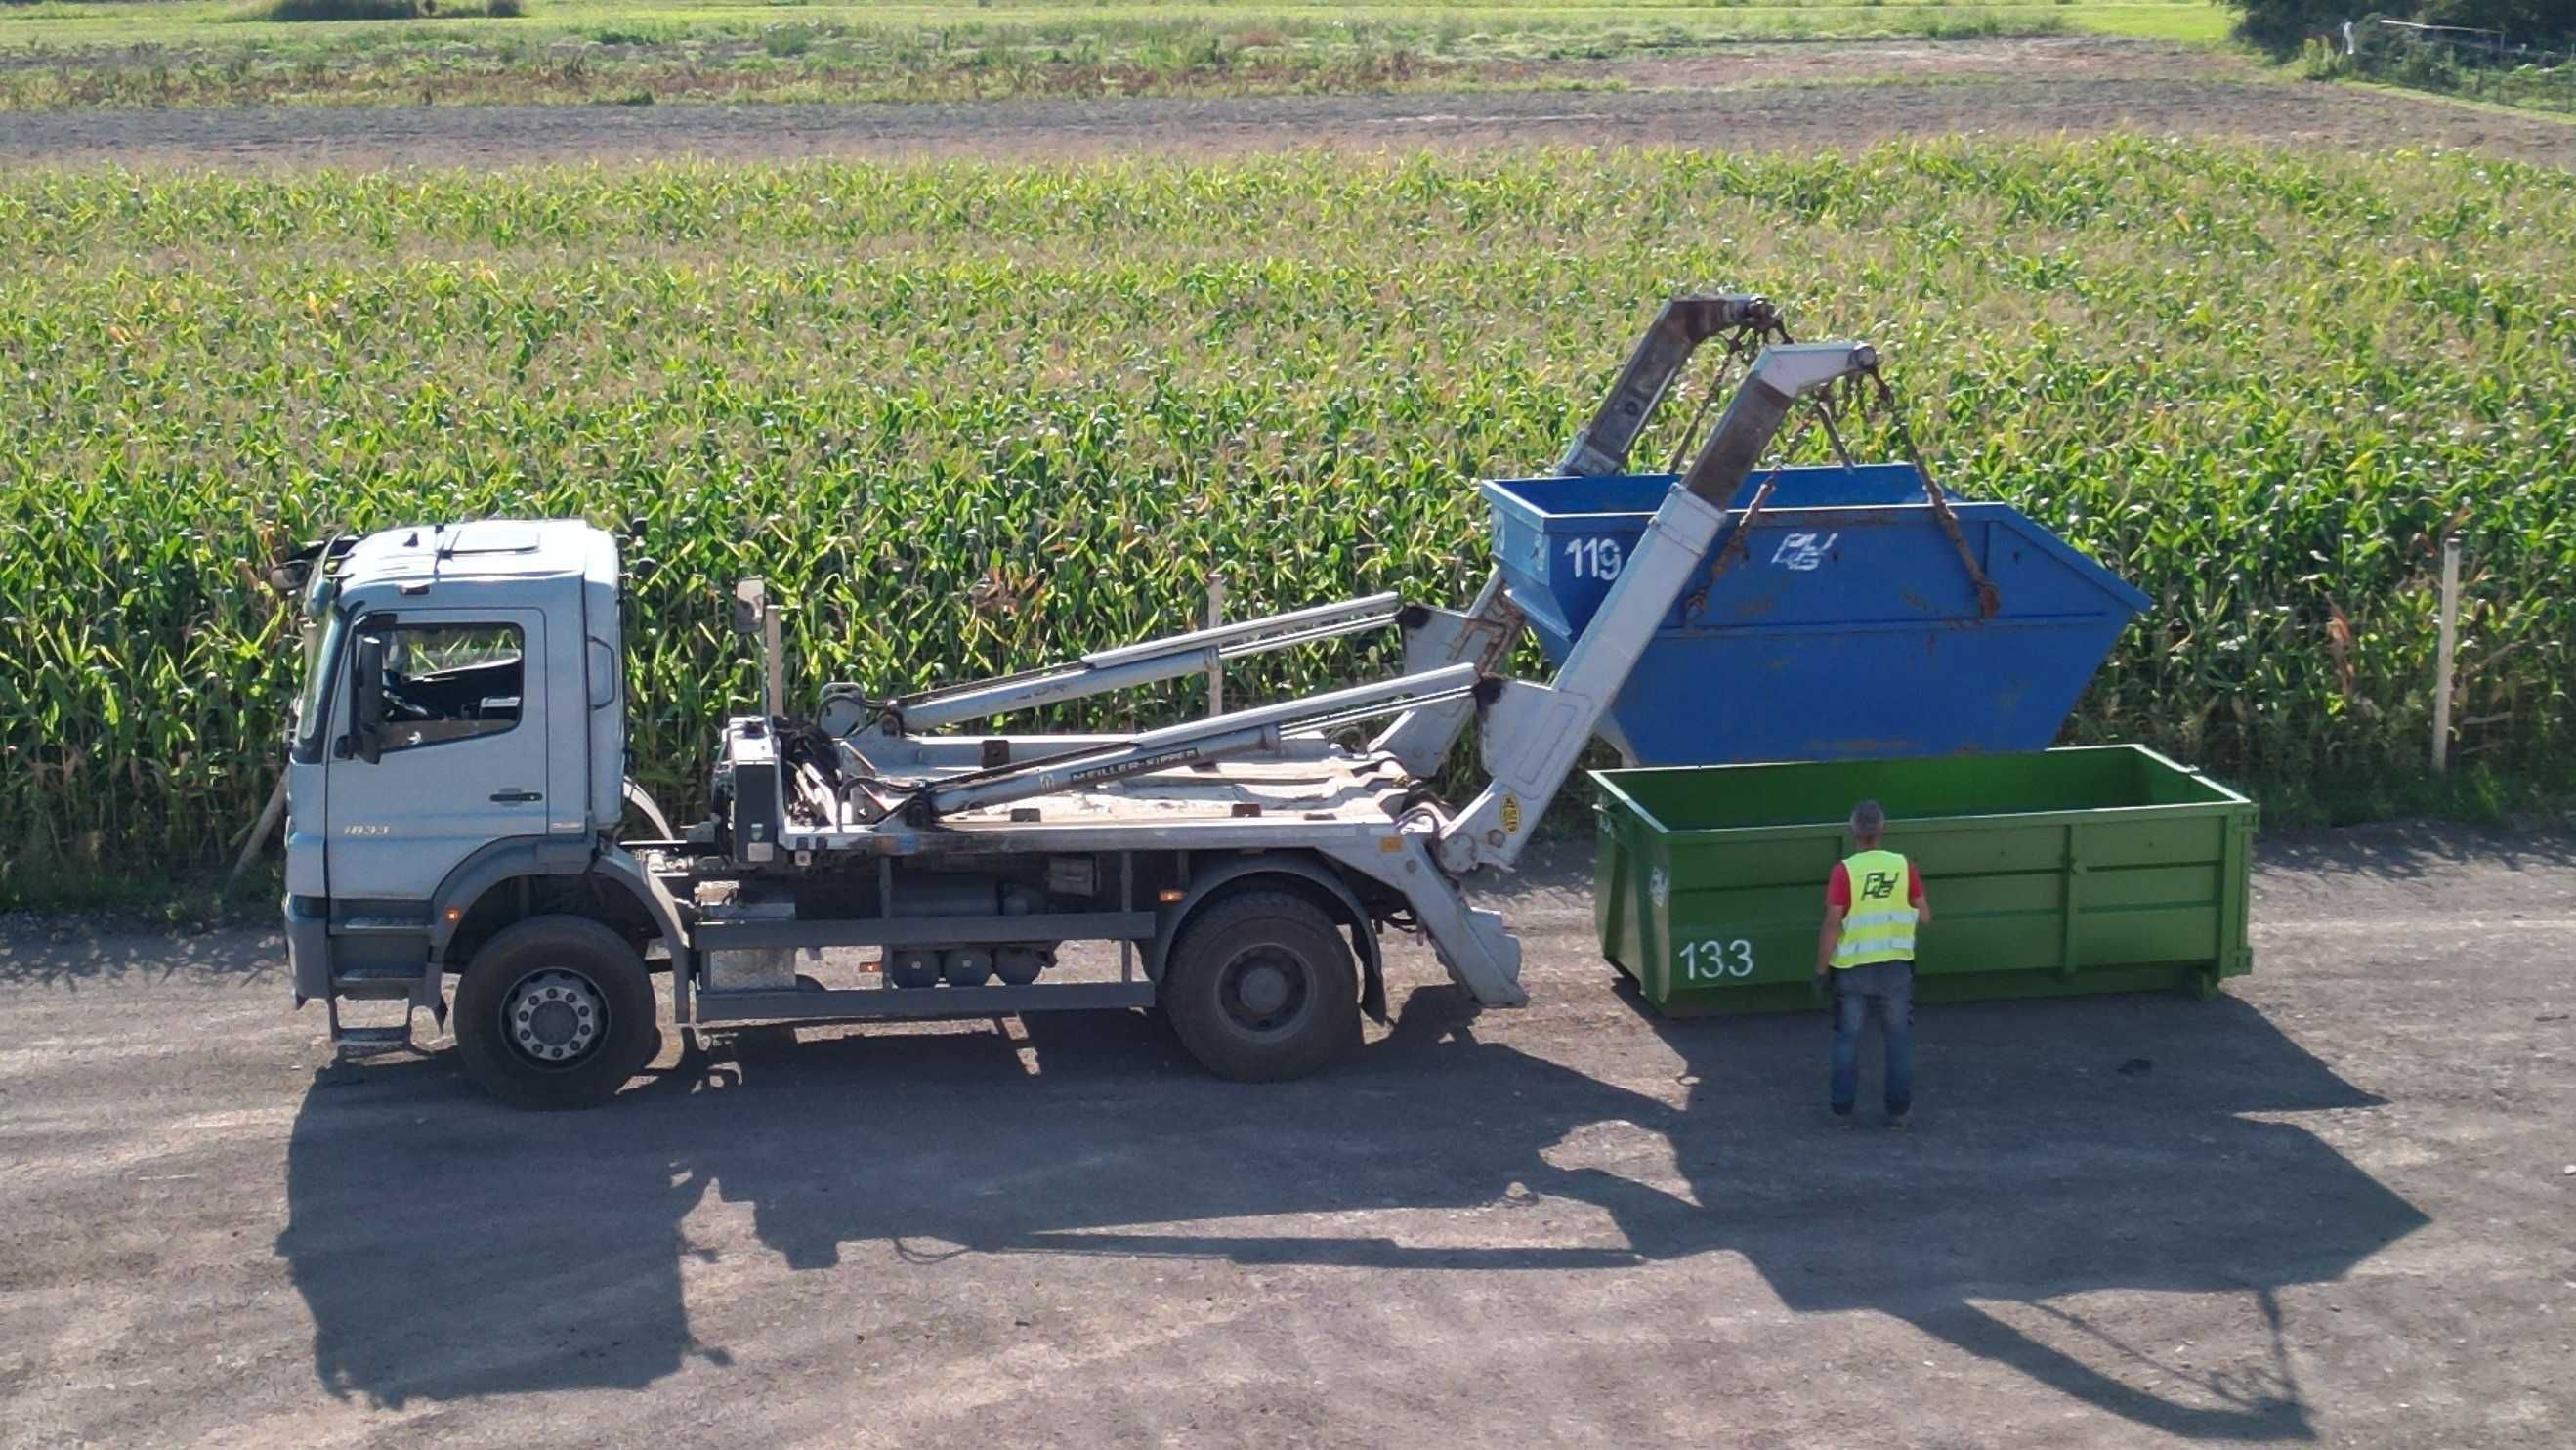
{"x":968,"y":417}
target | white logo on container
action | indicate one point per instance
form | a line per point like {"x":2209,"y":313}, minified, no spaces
{"x":1803,"y":552}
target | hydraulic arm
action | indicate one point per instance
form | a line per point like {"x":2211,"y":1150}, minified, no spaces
{"x":845,"y":709}
{"x":1421,"y":738}
{"x":1425,"y":730}
{"x":1189,"y":743}
{"x":1534,"y":734}
{"x":1658,"y":359}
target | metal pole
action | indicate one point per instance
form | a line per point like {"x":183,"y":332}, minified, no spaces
{"x":2442,"y":655}
{"x":1215,"y":663}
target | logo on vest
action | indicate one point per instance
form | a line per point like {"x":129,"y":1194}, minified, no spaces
{"x":1878,"y":885}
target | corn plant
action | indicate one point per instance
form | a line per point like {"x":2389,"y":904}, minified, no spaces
{"x":967,"y":417}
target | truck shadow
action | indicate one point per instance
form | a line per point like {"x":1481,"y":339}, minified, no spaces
{"x":447,"y":1247}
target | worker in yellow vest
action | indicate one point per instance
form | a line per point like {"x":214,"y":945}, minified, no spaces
{"x":1873,"y":903}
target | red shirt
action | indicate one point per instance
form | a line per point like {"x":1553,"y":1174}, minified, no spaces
{"x":1838,"y":886}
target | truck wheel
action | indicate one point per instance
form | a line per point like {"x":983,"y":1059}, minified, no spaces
{"x":555,"y":1012}
{"x":1260,"y":986}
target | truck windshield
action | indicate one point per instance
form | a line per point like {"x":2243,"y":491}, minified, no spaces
{"x":313,"y":705}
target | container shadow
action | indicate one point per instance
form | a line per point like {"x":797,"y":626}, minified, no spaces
{"x":447,"y":1247}
{"x":2061,"y":1148}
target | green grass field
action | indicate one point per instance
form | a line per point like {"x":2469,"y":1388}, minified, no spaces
{"x":972,"y":417}
{"x":219,"y":52}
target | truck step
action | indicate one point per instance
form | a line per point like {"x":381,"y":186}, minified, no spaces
{"x":371,"y":1041}
{"x":349,"y":1040}
{"x":377,"y":982}
{"x":380,"y":926}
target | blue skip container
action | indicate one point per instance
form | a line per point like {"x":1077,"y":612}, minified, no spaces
{"x":1848,"y":629}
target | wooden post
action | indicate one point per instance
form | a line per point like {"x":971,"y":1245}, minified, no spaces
{"x":2442,"y":654}
{"x":258,"y":836}
{"x":773,"y":659}
{"x":1215,"y":665}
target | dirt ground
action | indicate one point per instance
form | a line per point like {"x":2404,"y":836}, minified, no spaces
{"x":2334,"y":1206}
{"x":1793,"y":97}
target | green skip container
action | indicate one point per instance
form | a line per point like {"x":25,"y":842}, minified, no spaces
{"x":2092,"y":869}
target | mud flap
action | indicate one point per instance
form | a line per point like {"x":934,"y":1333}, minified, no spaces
{"x":431,"y":993}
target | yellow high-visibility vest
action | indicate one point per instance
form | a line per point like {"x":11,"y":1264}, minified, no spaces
{"x":1879,"y":927}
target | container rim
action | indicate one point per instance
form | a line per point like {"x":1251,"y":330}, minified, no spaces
{"x":1506,"y":492}
{"x":1499,"y":493}
{"x":1607,"y":782}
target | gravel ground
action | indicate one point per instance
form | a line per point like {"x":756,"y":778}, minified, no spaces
{"x":1750,"y":98}
{"x":2333,"y":1206}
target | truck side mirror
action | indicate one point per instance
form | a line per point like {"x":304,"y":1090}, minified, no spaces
{"x":367,"y":699}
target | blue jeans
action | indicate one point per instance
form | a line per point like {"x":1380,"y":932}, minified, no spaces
{"x":1887,"y":987}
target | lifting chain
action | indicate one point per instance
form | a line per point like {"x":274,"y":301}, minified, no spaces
{"x":1823,"y":403}
{"x":1822,"y":410}
{"x":1988,"y":599}
{"x":1732,"y":550}
{"x":1742,"y":345}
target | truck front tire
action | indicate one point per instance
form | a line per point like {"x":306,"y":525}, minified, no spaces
{"x":1260,"y":986}
{"x":555,"y":1012}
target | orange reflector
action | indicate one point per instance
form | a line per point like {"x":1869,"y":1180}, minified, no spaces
{"x":1170,"y":894}
{"x":454,"y":912}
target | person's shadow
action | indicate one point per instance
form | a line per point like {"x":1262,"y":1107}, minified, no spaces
{"x":446,"y":1246}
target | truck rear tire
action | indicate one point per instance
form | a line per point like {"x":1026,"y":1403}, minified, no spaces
{"x":555,"y":1012}
{"x":1260,"y":986}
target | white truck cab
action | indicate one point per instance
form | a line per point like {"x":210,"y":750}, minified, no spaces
{"x":462,"y":714}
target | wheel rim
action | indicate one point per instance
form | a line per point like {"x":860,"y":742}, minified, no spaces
{"x":1264,"y":990}
{"x":554,"y":1018}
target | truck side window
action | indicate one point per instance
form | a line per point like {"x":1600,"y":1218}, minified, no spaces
{"x":448,"y":682}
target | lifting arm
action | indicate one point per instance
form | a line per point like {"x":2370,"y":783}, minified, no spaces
{"x":1676,"y":333}
{"x":1192,"y":742}
{"x":1534,"y":734}
{"x":1421,"y":738}
{"x":846,"y":710}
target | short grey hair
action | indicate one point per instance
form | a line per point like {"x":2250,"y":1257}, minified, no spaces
{"x":1868,"y":820}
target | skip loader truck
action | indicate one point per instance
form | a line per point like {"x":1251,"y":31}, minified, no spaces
{"x":456,"y":785}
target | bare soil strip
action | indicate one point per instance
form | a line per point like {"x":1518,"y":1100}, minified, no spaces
{"x":1758,"y":98}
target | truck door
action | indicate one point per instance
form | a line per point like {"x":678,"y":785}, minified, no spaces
{"x":461,"y":761}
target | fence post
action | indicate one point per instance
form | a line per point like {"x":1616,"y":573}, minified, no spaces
{"x":258,"y":834}
{"x":2442,"y":653}
{"x":1215,"y":664}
